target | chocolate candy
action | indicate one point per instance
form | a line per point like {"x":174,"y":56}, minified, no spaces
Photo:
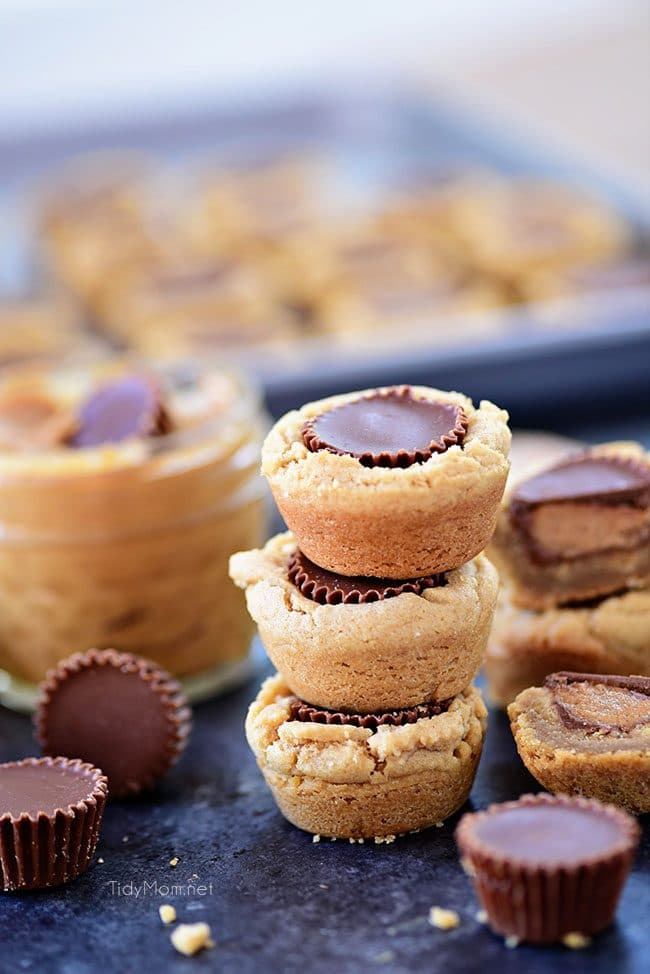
{"x":601,"y":703}
{"x":306,"y":713}
{"x":328,"y":589}
{"x":127,"y":407}
{"x":121,"y":712}
{"x":546,"y":866}
{"x":388,"y":428}
{"x":50,"y":815}
{"x":604,"y":479}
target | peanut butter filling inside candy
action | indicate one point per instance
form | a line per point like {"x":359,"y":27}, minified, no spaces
{"x":392,"y":428}
{"x":601,"y":704}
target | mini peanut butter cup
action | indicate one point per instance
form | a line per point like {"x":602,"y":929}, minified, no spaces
{"x":50,"y":816}
{"x":600,"y":704}
{"x":129,"y":406}
{"x":388,"y":428}
{"x":118,"y":711}
{"x":306,"y":713}
{"x":327,"y":588}
{"x":547,"y":866}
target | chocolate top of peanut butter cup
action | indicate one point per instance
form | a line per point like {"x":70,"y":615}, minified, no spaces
{"x":388,"y":428}
{"x":600,"y":704}
{"x":308,"y":714}
{"x":128,"y":406}
{"x":46,"y":786}
{"x":607,"y":479}
{"x":547,"y":832}
{"x":327,"y":588}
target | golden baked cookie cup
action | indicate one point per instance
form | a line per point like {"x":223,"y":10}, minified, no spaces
{"x":380,"y":655}
{"x":610,"y":636}
{"x":609,"y":761}
{"x":390,"y":521}
{"x":352,"y":782}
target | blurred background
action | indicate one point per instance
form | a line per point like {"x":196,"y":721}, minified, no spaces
{"x":454,"y":193}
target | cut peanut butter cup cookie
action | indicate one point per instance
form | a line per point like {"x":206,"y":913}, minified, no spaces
{"x":394,"y":483}
{"x":578,"y":530}
{"x":588,"y":734}
{"x":546,"y":867}
{"x":367,"y":644}
{"x":350,"y":775}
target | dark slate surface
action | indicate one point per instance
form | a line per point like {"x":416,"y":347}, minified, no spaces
{"x":277,"y":902}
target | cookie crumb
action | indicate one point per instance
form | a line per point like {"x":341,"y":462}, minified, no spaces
{"x":167,"y":913}
{"x":323,"y":886}
{"x":125,"y":838}
{"x":100,"y":860}
{"x":353,"y":841}
{"x":174,"y":861}
{"x":512,"y":942}
{"x":443,"y":919}
{"x":385,"y":957}
{"x":384,"y":839}
{"x":315,"y":838}
{"x":439,"y":825}
{"x":481,"y":916}
{"x":576,"y":941}
{"x":189,"y":938}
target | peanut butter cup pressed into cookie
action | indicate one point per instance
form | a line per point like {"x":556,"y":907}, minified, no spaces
{"x":588,"y":734}
{"x":364,"y":644}
{"x":50,"y":816}
{"x":395,"y":483}
{"x":366,"y":775}
{"x":578,"y":530}
{"x":119,"y":711}
{"x":545,"y":867}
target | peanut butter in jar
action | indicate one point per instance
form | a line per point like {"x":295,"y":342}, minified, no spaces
{"x":123,"y":492}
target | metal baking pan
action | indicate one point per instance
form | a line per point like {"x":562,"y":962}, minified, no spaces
{"x":582,"y":357}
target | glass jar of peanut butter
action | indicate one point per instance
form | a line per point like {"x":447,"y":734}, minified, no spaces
{"x":123,"y":491}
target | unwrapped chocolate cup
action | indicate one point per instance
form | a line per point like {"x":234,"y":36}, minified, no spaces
{"x":50,"y":815}
{"x":546,"y":866}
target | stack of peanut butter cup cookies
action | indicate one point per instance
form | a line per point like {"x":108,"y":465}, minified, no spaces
{"x":376,"y":607}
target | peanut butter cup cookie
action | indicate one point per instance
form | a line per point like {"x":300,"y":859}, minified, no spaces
{"x":397,"y":482}
{"x":366,"y":644}
{"x":587,"y":734}
{"x":601,"y":636}
{"x":362,"y":775}
{"x":578,"y":530}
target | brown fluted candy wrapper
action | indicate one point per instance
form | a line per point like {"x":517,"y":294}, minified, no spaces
{"x":388,"y":428}
{"x":306,"y":713}
{"x":327,"y":588}
{"x":120,"y":712}
{"x":546,"y":866}
{"x":50,"y":816}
